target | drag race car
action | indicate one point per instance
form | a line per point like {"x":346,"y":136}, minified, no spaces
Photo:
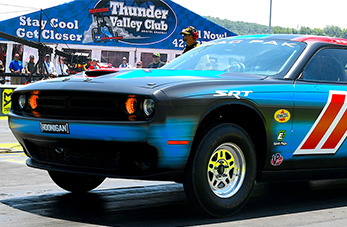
{"x":218,"y":118}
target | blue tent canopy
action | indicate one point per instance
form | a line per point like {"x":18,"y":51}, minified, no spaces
{"x":120,"y":23}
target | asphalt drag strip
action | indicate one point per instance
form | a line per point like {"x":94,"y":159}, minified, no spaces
{"x":134,"y":206}
{"x":12,"y":152}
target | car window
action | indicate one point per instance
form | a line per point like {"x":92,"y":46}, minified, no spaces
{"x":261,"y":57}
{"x":328,"y":65}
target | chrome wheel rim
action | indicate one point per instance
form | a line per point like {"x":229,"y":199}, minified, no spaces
{"x":226,"y":170}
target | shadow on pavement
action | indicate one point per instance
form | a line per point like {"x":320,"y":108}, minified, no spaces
{"x":167,"y":204}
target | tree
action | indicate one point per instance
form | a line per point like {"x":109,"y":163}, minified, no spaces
{"x":333,"y":31}
{"x":244,"y":28}
{"x":318,"y":31}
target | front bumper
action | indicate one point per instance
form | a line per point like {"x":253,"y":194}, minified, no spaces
{"x":115,"y":149}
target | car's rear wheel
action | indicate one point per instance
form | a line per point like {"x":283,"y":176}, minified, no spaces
{"x":220,"y":177}
{"x":76,"y":183}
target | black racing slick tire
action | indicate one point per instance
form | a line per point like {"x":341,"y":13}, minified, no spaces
{"x":75,"y":183}
{"x":220,"y":177}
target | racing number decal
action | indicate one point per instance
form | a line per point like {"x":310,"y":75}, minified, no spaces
{"x":329,"y":130}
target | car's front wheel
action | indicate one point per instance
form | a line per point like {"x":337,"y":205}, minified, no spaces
{"x":76,"y":183}
{"x":220,"y":177}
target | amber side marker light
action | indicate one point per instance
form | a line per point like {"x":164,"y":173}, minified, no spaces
{"x":178,"y":142}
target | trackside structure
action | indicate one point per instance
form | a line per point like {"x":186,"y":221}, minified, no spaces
{"x":109,"y":30}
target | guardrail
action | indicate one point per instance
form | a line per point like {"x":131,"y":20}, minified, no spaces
{"x":12,"y":78}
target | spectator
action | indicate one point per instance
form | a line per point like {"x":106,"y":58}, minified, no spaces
{"x":2,"y":67}
{"x":49,"y":67}
{"x":87,"y":65}
{"x":139,"y":64}
{"x":190,"y":36}
{"x":62,"y":68}
{"x":16,"y":67}
{"x":157,"y":63}
{"x":2,"y":70}
{"x":125,"y":64}
{"x":29,"y":67}
{"x":94,"y":64}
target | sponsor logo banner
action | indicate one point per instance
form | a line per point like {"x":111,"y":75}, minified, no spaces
{"x":121,"y":23}
{"x":134,"y":22}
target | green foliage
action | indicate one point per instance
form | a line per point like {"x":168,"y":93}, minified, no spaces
{"x":245,"y":28}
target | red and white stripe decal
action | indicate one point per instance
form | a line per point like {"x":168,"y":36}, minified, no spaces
{"x":329,"y":130}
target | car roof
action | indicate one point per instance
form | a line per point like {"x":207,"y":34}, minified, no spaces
{"x":298,"y":38}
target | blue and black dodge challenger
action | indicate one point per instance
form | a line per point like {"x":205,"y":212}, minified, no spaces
{"x":218,"y":118}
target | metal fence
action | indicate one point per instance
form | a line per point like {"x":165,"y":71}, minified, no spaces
{"x":20,"y":79}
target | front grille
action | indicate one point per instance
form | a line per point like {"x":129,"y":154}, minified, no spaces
{"x":81,"y":107}
{"x":75,"y":105}
{"x":90,"y":156}
{"x":122,"y":157}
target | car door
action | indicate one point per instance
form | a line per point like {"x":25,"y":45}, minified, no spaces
{"x":320,"y":112}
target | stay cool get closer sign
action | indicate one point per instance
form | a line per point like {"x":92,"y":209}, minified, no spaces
{"x":124,"y":23}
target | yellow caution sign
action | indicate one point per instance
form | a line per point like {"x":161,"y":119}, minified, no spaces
{"x":6,"y":101}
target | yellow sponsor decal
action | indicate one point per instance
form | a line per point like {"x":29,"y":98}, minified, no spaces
{"x":282,"y":116}
{"x":6,"y":101}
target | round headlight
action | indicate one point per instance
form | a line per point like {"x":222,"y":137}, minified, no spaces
{"x":148,"y":106}
{"x":22,"y":100}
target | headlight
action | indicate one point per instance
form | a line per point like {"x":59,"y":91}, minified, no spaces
{"x":22,"y":100}
{"x":148,"y":106}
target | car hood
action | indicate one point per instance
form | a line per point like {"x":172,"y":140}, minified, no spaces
{"x":140,"y":81}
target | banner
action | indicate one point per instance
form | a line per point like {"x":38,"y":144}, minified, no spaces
{"x":124,"y":23}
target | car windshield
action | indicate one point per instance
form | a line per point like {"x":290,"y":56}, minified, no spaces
{"x":251,"y":56}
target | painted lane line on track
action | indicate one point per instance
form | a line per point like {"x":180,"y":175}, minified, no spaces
{"x":13,"y":161}
{"x":18,"y":158}
{"x":10,"y":147}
